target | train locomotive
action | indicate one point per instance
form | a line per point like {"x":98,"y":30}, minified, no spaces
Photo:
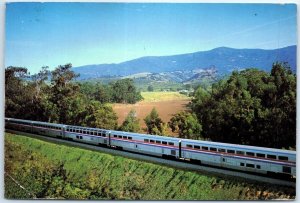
{"x":232,"y":156}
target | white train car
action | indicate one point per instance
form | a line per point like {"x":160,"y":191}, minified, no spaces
{"x":146,"y":144}
{"x":48,"y":129}
{"x":87,"y":135}
{"x":19,"y":124}
{"x":246,"y":158}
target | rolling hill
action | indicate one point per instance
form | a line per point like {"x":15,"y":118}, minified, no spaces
{"x":223,"y":59}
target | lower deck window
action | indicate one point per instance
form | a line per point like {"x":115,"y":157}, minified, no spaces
{"x":286,"y":169}
{"x":242,"y":164}
{"x":250,"y":165}
{"x":258,"y":166}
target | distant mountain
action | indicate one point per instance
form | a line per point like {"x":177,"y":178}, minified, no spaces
{"x":224,"y":59}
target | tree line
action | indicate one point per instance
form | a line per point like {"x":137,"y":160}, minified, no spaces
{"x":250,"y":107}
{"x":64,"y":100}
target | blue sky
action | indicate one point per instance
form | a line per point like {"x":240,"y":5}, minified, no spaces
{"x":52,"y":34}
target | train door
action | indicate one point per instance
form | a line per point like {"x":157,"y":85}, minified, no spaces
{"x":109,"y":140}
{"x":222,"y":160}
{"x":179,"y":146}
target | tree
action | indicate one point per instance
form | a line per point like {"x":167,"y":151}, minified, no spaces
{"x":150,"y":88}
{"x":105,"y":117}
{"x":186,"y":124}
{"x":131,"y":123}
{"x":155,"y":126}
{"x":124,"y":91}
{"x":16,"y":94}
{"x":63,"y":92}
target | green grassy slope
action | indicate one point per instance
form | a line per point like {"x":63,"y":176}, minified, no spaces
{"x":50,"y":170}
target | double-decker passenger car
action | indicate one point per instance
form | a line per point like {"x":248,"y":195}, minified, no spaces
{"x":232,"y":156}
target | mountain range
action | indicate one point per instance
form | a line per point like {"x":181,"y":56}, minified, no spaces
{"x":222,"y":61}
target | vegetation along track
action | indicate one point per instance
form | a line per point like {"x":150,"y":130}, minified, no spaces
{"x":174,"y":163}
{"x":61,"y":171}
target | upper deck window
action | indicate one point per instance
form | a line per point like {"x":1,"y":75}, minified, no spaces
{"x":284,"y":158}
{"x":271,"y":156}
{"x":196,"y":147}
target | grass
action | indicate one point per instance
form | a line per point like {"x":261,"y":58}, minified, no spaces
{"x":50,"y":170}
{"x":162,"y":96}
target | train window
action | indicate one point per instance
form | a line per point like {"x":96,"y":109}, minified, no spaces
{"x":103,"y":134}
{"x":250,"y":153}
{"x":258,"y":166}
{"x":221,"y":150}
{"x":286,"y":169}
{"x":80,"y":137}
{"x":119,"y":136}
{"x":230,"y":151}
{"x":271,"y":156}
{"x":129,"y":138}
{"x":250,"y":165}
{"x":163,"y":142}
{"x":115,"y":136}
{"x":77,"y":136}
{"x":196,"y":147}
{"x":125,"y":137}
{"x":171,"y":143}
{"x":189,"y":146}
{"x":240,"y":152}
{"x":146,"y":140}
{"x":152,"y":141}
{"x":242,"y":164}
{"x":285,"y":158}
{"x":260,"y":155}
{"x":213,"y":149}
{"x":158,"y":141}
{"x":205,"y":148}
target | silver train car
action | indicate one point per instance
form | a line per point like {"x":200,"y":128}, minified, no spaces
{"x":231,"y":156}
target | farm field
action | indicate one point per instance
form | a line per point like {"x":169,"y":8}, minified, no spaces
{"x":48,"y":170}
{"x":166,"y":103}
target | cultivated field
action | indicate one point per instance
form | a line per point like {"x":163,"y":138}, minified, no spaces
{"x":56,"y":171}
{"x":166,"y":103}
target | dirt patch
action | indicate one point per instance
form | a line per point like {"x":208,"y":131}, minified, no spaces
{"x":166,"y":109}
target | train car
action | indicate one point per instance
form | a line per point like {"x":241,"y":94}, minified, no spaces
{"x":241,"y":157}
{"x":146,"y":144}
{"x":87,"y":135}
{"x":48,"y":129}
{"x":18,"y":124}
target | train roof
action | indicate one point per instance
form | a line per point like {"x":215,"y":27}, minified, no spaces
{"x":163,"y":137}
{"x":239,"y":146}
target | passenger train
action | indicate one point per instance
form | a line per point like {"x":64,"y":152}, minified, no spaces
{"x":232,"y":156}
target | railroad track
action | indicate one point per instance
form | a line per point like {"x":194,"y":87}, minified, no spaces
{"x":174,"y":163}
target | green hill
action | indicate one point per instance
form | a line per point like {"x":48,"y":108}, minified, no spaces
{"x":48,"y":170}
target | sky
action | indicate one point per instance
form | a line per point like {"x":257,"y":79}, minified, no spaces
{"x":52,"y":34}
